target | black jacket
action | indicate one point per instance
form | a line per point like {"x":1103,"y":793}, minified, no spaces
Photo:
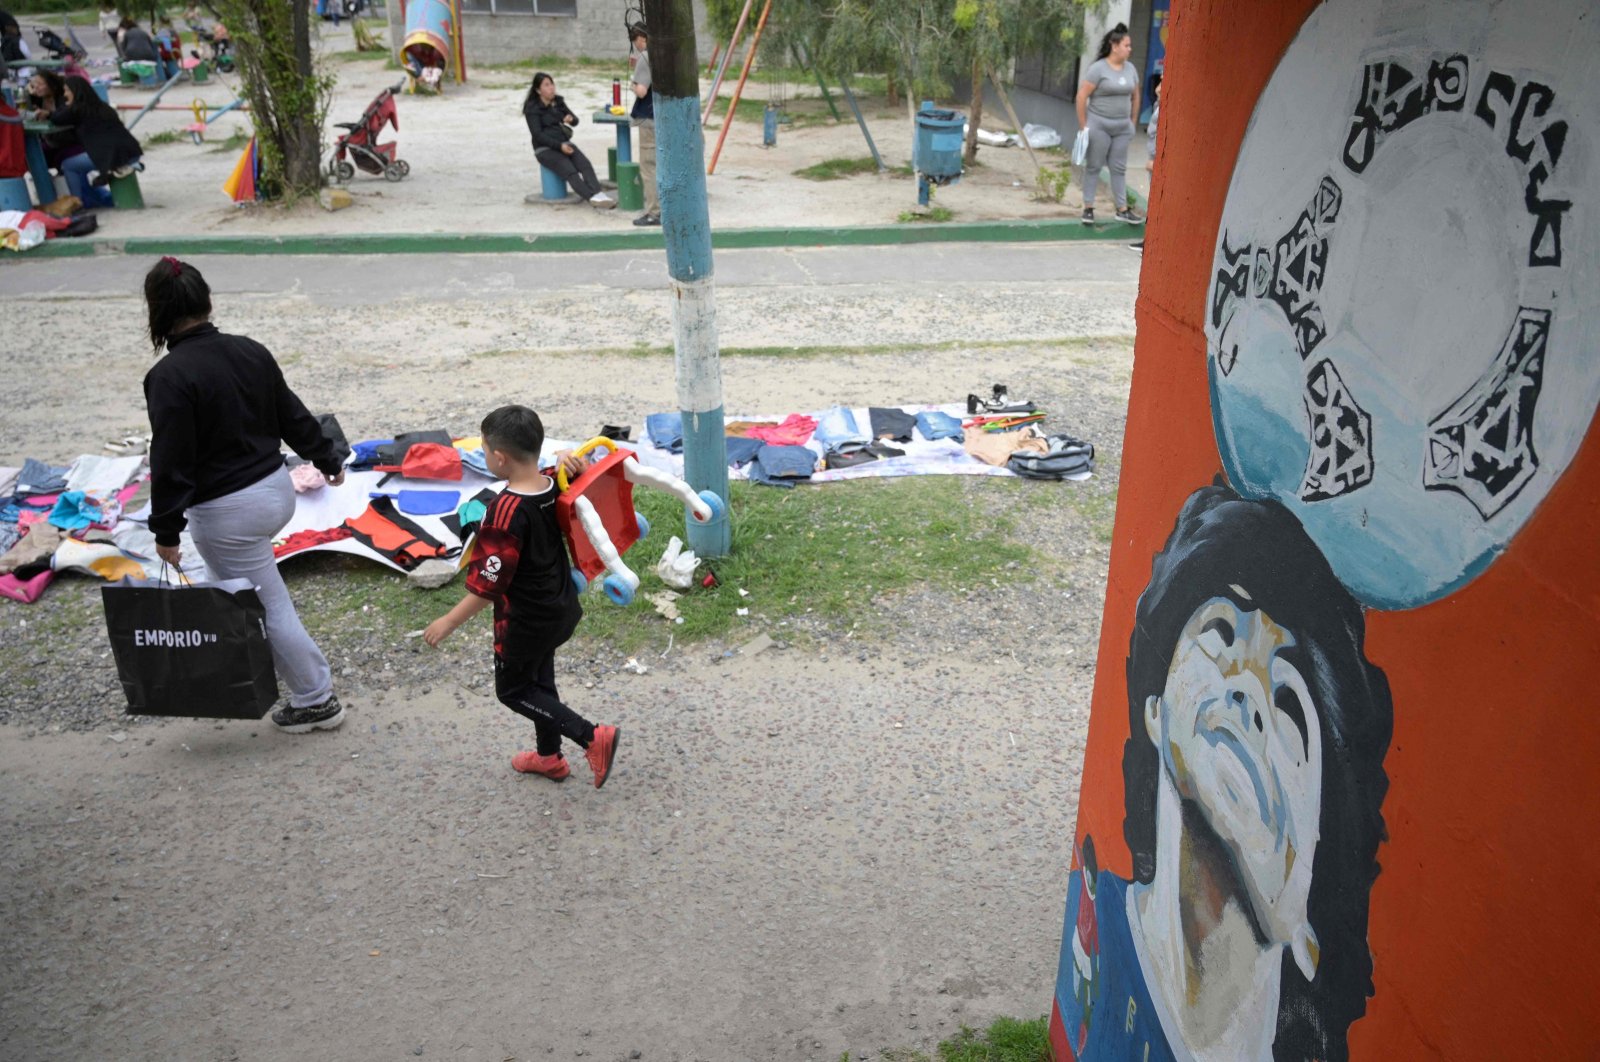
{"x":101,"y":133}
{"x":218,"y":407}
{"x":548,"y":123}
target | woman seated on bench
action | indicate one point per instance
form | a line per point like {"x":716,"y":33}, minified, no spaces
{"x":109,"y":150}
{"x":550,"y":121}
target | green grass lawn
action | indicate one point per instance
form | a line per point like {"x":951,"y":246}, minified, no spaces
{"x":1006,"y":1040}
{"x":837,"y":169}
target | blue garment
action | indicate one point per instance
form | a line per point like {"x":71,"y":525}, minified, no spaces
{"x":37,"y":477}
{"x":363,"y":455}
{"x":1122,"y":1018}
{"x":74,"y":511}
{"x":665,"y":431}
{"x":837,"y":428}
{"x":782,"y":466}
{"x":936,"y":425}
{"x":476,"y":460}
{"x":742,"y":451}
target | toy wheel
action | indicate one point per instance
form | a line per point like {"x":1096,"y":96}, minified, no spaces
{"x":579,"y":580}
{"x":618,"y":591}
{"x":644,"y":525}
{"x":405,"y":167}
{"x":718,"y":508}
{"x":392,"y":172}
{"x":343,"y":170}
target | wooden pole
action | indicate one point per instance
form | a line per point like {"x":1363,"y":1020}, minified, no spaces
{"x":749,"y":60}
{"x":722,"y":69}
{"x":1005,"y":101}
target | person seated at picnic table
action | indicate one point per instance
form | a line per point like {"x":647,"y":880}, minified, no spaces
{"x":169,"y":46}
{"x":550,"y":121}
{"x":46,"y":93}
{"x":109,"y":150}
{"x":137,"y":45}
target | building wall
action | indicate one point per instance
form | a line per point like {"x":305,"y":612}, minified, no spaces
{"x":596,"y":31}
{"x":1340,"y":786}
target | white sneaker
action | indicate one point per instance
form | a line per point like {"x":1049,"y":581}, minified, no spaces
{"x":601,"y":199}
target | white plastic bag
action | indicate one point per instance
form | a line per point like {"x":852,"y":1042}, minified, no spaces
{"x":1041,"y":136}
{"x":1080,"y":147}
{"x":676,"y":566}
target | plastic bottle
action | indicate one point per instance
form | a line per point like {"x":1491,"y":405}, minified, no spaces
{"x":616,"y":92}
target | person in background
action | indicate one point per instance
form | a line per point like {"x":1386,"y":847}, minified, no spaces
{"x":110,"y":23}
{"x":46,"y":92}
{"x":12,"y":47}
{"x":550,"y":122}
{"x":109,"y":150}
{"x":169,"y":45}
{"x":1108,"y":103}
{"x":137,"y":46}
{"x":1150,"y":140}
{"x":644,"y":119}
{"x":219,"y":407}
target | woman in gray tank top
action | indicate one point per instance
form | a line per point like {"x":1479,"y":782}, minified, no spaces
{"x":1108,"y":99}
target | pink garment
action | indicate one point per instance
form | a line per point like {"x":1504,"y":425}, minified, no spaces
{"x":25,"y":590}
{"x":795,"y":430}
{"x":27,"y":518}
{"x":306,"y":478}
{"x":131,"y":489}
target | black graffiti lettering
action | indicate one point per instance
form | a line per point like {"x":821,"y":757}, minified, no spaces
{"x":1340,"y":433}
{"x":1536,"y":98}
{"x":1447,"y":83}
{"x":1544,"y":247}
{"x":1392,"y":97}
{"x":1232,"y":282}
{"x":1500,"y":86}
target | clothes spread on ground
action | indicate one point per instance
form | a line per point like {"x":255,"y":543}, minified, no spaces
{"x":893,"y":424}
{"x":37,"y":477}
{"x":75,"y":511}
{"x":474,"y":459}
{"x":8,"y":481}
{"x":383,"y":530}
{"x":33,"y":551}
{"x":665,"y":431}
{"x":836,"y":428}
{"x":795,"y":430}
{"x":394,"y":453}
{"x":100,"y":476}
{"x":424,"y":502}
{"x":860,"y":455}
{"x":741,"y":451}
{"x":427,"y":460}
{"x":782,"y":466}
{"x":218,"y":408}
{"x":996,"y":448}
{"x":935,"y":425}
{"x":307,"y":477}
{"x":363,"y":455}
{"x":26,"y":590}
{"x":1064,"y":458}
{"x":302,"y":540}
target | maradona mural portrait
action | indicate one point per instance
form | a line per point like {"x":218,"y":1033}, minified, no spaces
{"x":1388,"y":375}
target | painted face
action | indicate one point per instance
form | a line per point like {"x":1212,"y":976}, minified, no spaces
{"x":1238,"y":735}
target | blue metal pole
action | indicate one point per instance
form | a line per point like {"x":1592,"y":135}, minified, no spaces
{"x":686,"y":228}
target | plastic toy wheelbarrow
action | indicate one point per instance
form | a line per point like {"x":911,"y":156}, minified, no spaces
{"x":597,"y":517}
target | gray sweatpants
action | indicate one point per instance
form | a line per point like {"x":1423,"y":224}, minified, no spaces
{"x":1108,"y":146}
{"x":234,"y":536}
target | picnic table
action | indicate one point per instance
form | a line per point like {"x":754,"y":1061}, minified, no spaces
{"x":41,"y":64}
{"x":44,"y":183}
{"x":624,"y":138}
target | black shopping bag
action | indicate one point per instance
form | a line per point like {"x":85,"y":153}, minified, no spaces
{"x":198,"y":651}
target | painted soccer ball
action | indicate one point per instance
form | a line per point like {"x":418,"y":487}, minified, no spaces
{"x":1403,"y":325}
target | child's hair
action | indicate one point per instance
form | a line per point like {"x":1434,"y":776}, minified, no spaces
{"x":514,"y":430}
{"x":1113,"y":37}
{"x":174,"y":291}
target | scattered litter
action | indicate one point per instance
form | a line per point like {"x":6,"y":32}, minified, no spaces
{"x":898,"y":725}
{"x":374,"y":953}
{"x":413,"y":634}
{"x":1041,"y":136}
{"x":118,"y":736}
{"x":741,"y":612}
{"x":756,"y":645}
{"x":491,"y":875}
{"x":1013,"y":738}
{"x":676,"y":566}
{"x":743,"y":592}
{"x":635,"y":667}
{"x":666,"y":605}
{"x":668,"y":649}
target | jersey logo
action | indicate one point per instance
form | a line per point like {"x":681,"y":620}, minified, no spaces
{"x":491,"y":569}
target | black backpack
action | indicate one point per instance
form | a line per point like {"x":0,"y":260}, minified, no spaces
{"x":1064,"y":457}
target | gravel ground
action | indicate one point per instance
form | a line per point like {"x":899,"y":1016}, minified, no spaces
{"x":852,"y":841}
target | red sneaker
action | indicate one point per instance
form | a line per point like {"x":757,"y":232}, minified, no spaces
{"x":552,"y":767}
{"x":601,"y":751}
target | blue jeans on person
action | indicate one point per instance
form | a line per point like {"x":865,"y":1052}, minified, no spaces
{"x":168,"y":68}
{"x":76,"y":169}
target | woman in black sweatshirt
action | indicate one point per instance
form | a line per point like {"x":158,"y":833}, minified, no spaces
{"x":108,"y":147}
{"x":550,"y":123}
{"x":218,"y":408}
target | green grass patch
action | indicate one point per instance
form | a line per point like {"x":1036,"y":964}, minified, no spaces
{"x":1007,"y":1040}
{"x":936,"y":214}
{"x":237,"y":139}
{"x":555,"y":64}
{"x":837,"y":169}
{"x":166,"y":136}
{"x":356,"y":53}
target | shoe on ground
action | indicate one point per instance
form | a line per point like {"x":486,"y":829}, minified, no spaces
{"x":1128,"y":217}
{"x":647,"y":219}
{"x":325,"y":716}
{"x":601,"y":201}
{"x":552,"y":767}
{"x":1137,"y":247}
{"x":123,"y":171}
{"x":533,"y":198}
{"x":1088,"y":216}
{"x":601,"y":751}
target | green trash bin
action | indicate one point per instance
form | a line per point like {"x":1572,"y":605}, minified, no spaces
{"x":125,"y":193}
{"x":611,"y":164}
{"x":630,"y":186}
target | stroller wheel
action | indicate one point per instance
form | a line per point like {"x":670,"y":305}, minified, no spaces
{"x":405,"y":167}
{"x":343,"y":170}
{"x":392,"y":172}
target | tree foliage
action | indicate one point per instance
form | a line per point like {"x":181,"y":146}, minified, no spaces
{"x":288,"y":95}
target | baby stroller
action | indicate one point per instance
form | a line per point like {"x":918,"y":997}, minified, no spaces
{"x":361,"y":145}
{"x":218,"y":50}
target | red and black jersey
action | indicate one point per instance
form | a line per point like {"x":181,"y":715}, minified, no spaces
{"x":519,"y":562}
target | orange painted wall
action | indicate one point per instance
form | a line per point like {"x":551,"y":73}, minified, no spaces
{"x":1485,"y":920}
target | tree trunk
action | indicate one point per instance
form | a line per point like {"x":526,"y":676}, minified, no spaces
{"x":975,"y":112}
{"x":894,"y":97}
{"x":302,"y":148}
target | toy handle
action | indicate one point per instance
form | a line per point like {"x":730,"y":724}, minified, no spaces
{"x":598,"y":440}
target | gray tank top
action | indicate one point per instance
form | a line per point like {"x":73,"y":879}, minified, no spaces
{"x":1113,"y":90}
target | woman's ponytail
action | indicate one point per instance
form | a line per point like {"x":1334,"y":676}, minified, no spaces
{"x":174,"y":292}
{"x":1112,"y":38}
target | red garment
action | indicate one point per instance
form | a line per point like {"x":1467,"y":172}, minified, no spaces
{"x":795,"y":430}
{"x":427,"y":461}
{"x":302,"y":540}
{"x":13,"y":144}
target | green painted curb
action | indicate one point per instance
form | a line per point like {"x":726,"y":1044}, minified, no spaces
{"x":549,"y":243}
